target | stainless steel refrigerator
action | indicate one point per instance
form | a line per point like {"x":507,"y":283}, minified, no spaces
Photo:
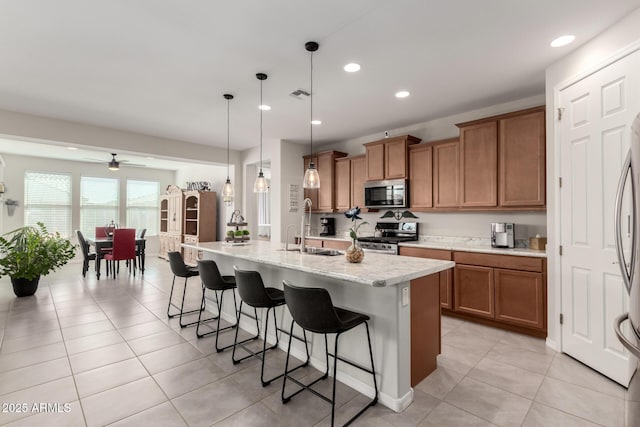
{"x":629,"y":262}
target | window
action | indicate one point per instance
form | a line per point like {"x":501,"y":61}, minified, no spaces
{"x":142,"y":205}
{"x":98,"y":203}
{"x":48,"y":200}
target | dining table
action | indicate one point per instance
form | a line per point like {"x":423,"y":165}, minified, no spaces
{"x":101,"y":243}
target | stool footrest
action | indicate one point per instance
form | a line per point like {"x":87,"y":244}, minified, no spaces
{"x":214,"y":331}
{"x":349,"y":362}
{"x":171,"y":316}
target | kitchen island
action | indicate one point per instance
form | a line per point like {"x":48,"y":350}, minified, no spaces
{"x":400,"y":294}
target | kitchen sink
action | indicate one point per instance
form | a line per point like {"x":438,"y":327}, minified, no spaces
{"x":322,"y":251}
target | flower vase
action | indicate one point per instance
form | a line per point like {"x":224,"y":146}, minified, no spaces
{"x":354,"y":253}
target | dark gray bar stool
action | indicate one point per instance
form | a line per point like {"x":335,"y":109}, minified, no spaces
{"x":253,"y":293}
{"x":312,"y":310}
{"x":213,"y":280}
{"x":180,"y":269}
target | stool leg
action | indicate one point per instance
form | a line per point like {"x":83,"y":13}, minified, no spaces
{"x":218,"y":330}
{"x":286,"y":368}
{"x":240,"y":343}
{"x":373,"y":370}
{"x":200,"y":321}
{"x":335,"y":372}
{"x":170,"y":296}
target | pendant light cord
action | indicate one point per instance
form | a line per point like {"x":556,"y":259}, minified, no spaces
{"x":261,"y":104}
{"x":228,"y":102}
{"x":311,"y":124}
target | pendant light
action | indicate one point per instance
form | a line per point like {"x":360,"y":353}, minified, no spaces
{"x":311,"y":177}
{"x":227,"y":189}
{"x":261,"y":185}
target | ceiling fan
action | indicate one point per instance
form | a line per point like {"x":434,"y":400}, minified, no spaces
{"x":114,"y":164}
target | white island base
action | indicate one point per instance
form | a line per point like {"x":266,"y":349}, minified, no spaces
{"x":399,"y":294}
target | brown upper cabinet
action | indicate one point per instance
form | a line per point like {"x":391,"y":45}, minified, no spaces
{"x":446,"y":156}
{"x":350,"y":179}
{"x":388,"y":158}
{"x":323,"y":199}
{"x":521,"y":160}
{"x":421,"y":176}
{"x":502,"y":161}
{"x":478,"y":164}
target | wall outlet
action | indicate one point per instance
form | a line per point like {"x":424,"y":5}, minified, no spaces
{"x":405,"y":296}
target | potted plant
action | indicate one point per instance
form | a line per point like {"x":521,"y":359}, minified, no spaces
{"x":245,"y":234}
{"x":30,"y":252}
{"x":238,"y":235}
{"x":229,"y":236}
{"x":354,"y":253}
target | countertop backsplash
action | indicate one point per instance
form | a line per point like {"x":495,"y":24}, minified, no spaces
{"x":469,"y":228}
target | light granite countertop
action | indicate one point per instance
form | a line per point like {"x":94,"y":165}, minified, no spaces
{"x":466,"y":244}
{"x":373,"y":271}
{"x":338,"y":239}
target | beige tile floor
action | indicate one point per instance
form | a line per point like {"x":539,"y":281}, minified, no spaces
{"x":107,"y":350}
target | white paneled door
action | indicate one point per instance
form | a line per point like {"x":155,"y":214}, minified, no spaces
{"x":594,"y":137}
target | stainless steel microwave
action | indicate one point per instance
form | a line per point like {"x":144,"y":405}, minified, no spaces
{"x":386,"y":194}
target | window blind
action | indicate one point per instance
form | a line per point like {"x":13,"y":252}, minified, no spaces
{"x":48,"y":200}
{"x":142,"y":205}
{"x":99,"y":201}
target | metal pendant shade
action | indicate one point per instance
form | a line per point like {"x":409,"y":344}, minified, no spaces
{"x":227,"y":188}
{"x":261,"y":185}
{"x":311,"y":177}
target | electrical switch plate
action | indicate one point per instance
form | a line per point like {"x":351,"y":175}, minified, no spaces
{"x":405,"y":296}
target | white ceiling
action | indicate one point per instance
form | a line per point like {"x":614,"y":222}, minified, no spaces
{"x":160,"y":67}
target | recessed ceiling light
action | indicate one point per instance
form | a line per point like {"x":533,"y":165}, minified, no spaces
{"x":316,"y":122}
{"x":402,"y":94}
{"x":563,"y":40}
{"x":71,"y":148}
{"x":352,"y":67}
{"x":264,"y":107}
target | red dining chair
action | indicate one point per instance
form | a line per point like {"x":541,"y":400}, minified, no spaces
{"x":101,"y":233}
{"x":124,"y":248}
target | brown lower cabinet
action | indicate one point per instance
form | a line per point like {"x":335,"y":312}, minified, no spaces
{"x":500,"y":290}
{"x":329,"y":244}
{"x":445,"y":277}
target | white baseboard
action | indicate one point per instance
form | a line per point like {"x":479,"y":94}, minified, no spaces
{"x":553,"y":345}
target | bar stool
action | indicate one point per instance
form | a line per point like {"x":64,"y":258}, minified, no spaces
{"x":212,"y":279}
{"x":312,"y":310}
{"x":180,"y":269}
{"x":253,"y":293}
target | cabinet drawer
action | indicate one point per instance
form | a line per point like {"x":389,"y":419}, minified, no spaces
{"x":426,"y":253}
{"x":510,"y":262}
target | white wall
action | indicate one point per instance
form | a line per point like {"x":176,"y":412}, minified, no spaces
{"x":16,"y":166}
{"x":217,"y":175}
{"x":471,"y":224}
{"x":586,"y":59}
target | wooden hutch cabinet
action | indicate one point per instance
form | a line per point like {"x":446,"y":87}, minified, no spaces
{"x":170,"y":221}
{"x":200,"y":221}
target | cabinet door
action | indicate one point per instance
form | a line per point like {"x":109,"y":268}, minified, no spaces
{"x":446,"y":289}
{"x":522,"y":160}
{"x":311,"y":193}
{"x":343,"y":184}
{"x":358,"y":178}
{"x":395,"y":159}
{"x":375,"y":162}
{"x":478,"y":164}
{"x":445,"y":175}
{"x":473,"y":290}
{"x":519,"y":298}
{"x":326,"y":167}
{"x":421,"y":177}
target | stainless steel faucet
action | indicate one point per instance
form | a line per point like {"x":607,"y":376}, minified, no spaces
{"x":286,"y":241}
{"x":307,"y":201}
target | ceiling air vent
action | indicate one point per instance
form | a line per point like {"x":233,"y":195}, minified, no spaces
{"x":298,"y":93}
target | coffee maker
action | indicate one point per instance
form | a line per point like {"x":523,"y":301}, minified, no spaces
{"x":502,"y":235}
{"x":327,"y":226}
